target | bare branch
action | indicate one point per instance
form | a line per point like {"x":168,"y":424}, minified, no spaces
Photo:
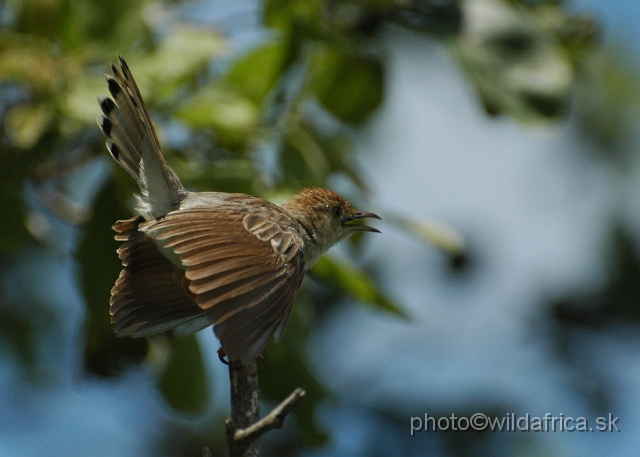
{"x":275,"y":419}
{"x":245,"y":427}
{"x":245,"y":407}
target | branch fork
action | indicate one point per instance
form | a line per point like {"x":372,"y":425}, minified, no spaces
{"x":239,"y":440}
{"x":245,"y":427}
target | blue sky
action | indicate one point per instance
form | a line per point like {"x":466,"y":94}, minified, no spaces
{"x":620,"y":18}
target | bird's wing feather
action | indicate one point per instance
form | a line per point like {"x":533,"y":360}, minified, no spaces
{"x":243,"y":269}
{"x":149,"y":297}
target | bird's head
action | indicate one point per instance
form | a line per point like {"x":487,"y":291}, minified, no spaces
{"x":328,"y":216}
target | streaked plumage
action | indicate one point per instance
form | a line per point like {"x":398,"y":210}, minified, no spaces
{"x":197,"y":259}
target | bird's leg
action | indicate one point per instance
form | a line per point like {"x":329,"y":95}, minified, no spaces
{"x":222,"y":354}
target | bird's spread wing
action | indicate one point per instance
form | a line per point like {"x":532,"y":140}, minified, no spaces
{"x":243,"y":270}
{"x":149,"y":296}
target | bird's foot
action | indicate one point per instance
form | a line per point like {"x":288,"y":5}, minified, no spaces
{"x":222,"y":354}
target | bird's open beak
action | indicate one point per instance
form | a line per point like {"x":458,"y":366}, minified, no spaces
{"x":360,"y":227}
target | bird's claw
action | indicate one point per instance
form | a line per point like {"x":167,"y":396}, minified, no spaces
{"x":221,"y":356}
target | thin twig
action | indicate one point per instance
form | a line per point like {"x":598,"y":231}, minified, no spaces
{"x":245,"y":427}
{"x":275,"y":419}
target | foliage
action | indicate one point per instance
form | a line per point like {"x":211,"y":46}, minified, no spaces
{"x":293,"y":98}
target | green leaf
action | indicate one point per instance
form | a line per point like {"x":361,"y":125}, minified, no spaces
{"x":337,"y":150}
{"x":223,"y":175}
{"x":26,"y":123}
{"x":518,"y":64}
{"x":78,"y":102}
{"x":18,"y":336}
{"x":29,"y":61}
{"x":355,"y":282}
{"x":308,"y":157}
{"x":184,"y":383}
{"x":184,"y":52}
{"x":303,"y":159}
{"x":230,"y":115}
{"x":52,"y":20}
{"x":606,"y":101}
{"x":347,"y":84}
{"x":441,"y":235}
{"x":256,"y":73}
{"x":13,"y":232}
{"x":292,"y":15}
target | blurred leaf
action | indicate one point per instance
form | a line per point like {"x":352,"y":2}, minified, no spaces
{"x":184,"y":383}
{"x":337,"y":149}
{"x":440,"y":17}
{"x":26,"y":123}
{"x":309,"y":157}
{"x":13,"y":232}
{"x":347,"y":84}
{"x":105,"y":354}
{"x":186,"y":51}
{"x":296,"y":173}
{"x":17,"y":332}
{"x":354,"y":282}
{"x":131,"y":30}
{"x":578,"y":33}
{"x":437,"y":233}
{"x":29,"y":60}
{"x":79,"y":24}
{"x":223,"y":175}
{"x":230,"y":115}
{"x":609,"y":98}
{"x":286,"y":368}
{"x":118,"y":22}
{"x":256,"y":73}
{"x":52,"y":19}
{"x":303,"y":159}
{"x":79,"y":102}
{"x":292,"y":15}
{"x":517,"y":62}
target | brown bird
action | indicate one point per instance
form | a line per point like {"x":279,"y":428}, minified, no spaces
{"x":194,"y":259}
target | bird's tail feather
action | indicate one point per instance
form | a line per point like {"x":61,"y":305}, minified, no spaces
{"x":133,"y":143}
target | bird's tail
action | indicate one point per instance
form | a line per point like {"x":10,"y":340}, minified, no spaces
{"x":133,"y":143}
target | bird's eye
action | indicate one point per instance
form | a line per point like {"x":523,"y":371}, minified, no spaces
{"x":337,"y":212}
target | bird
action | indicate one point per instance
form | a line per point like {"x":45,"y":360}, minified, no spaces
{"x":197,"y":259}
